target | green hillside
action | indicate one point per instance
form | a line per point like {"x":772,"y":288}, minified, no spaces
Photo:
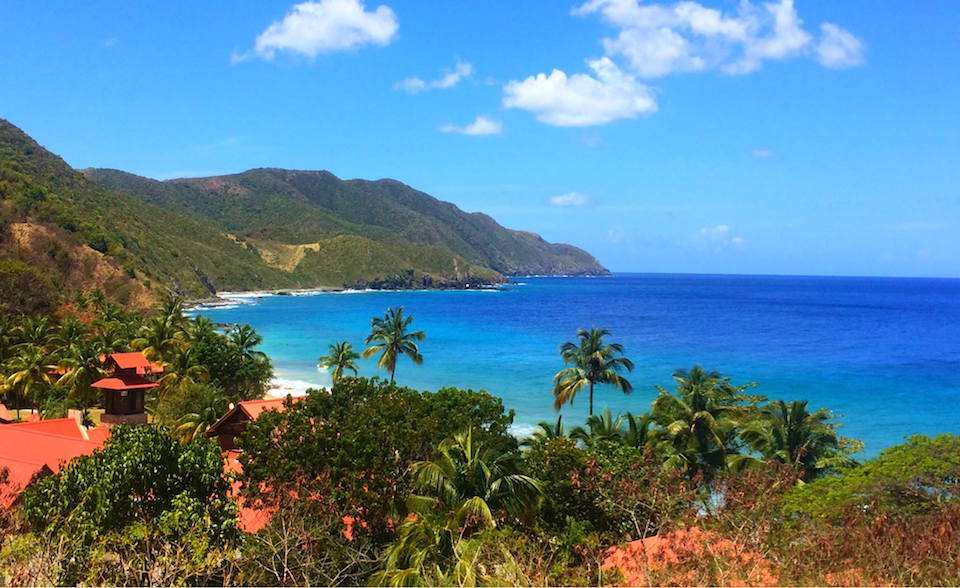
{"x":62,"y":229}
{"x":78,"y":235}
{"x":304,"y":207}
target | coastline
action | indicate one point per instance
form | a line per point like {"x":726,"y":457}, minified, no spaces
{"x":229,"y":298}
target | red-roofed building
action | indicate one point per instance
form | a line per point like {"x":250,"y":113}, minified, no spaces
{"x":36,"y":449}
{"x":124,"y":391}
{"x":235,"y":421}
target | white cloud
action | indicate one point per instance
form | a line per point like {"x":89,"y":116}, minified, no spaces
{"x":570,"y":199}
{"x":838,"y":48}
{"x":480,"y":126}
{"x":656,"y":40}
{"x":581,"y":99}
{"x":762,"y":153}
{"x":449,"y":79}
{"x":718,"y":237}
{"x":326,"y":26}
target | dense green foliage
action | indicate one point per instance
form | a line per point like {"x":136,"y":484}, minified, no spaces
{"x":142,"y":242}
{"x":361,"y":460}
{"x":143,"y":492}
{"x":263,"y":229}
{"x":362,"y":229}
{"x":374,"y":483}
{"x":50,"y":366}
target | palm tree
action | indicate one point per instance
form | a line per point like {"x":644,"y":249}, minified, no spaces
{"x":31,"y":371}
{"x":599,"y":428}
{"x":35,"y":332}
{"x":69,"y":336}
{"x":468,"y":487}
{"x":159,"y":339}
{"x":341,"y":358}
{"x":639,"y":433}
{"x":199,"y":328}
{"x":81,"y":366}
{"x":181,"y":372}
{"x":590,"y":363}
{"x":244,"y":340}
{"x":7,"y":332}
{"x":171,"y":309}
{"x":208,"y":407}
{"x":546,"y":432}
{"x":790,"y":434}
{"x":698,"y":423}
{"x":389,"y":337}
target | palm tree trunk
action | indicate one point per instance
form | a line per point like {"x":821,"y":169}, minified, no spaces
{"x":392,"y":371}
{"x":591,"y":398}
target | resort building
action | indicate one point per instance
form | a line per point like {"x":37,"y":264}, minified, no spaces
{"x":230,"y":425}
{"x":38,"y":448}
{"x":124,"y":391}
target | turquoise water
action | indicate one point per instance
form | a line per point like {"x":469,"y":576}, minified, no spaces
{"x":882,"y":353}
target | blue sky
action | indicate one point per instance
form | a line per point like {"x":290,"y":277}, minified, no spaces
{"x":815,"y":138}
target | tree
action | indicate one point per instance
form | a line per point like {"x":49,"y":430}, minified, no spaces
{"x":31,"y":375}
{"x":639,"y":433}
{"x":143,"y":497}
{"x":159,"y":338}
{"x":807,"y":441}
{"x":590,"y":363}
{"x":698,"y":423}
{"x":389,"y":337}
{"x":81,"y":367}
{"x":341,"y":357}
{"x":207,"y":404}
{"x":599,"y":428}
{"x":468,"y":487}
{"x":245,"y":339}
{"x":360,"y":458}
{"x":546,"y":432}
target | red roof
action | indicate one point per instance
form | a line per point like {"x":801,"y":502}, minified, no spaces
{"x":68,"y":427}
{"x":28,"y":448}
{"x":124,"y":382}
{"x":136,"y":360}
{"x":253,"y":408}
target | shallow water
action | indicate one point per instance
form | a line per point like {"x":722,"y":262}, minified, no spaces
{"x":883,"y":353}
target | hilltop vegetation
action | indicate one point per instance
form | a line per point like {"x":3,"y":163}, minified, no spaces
{"x":62,"y":230}
{"x":379,"y":226}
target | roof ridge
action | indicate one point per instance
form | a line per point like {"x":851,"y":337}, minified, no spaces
{"x":46,"y":434}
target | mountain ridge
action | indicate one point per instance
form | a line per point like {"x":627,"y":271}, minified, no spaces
{"x":264,"y":229}
{"x":318,"y":203}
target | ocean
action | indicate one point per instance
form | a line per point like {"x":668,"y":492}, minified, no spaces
{"x":882,"y":353}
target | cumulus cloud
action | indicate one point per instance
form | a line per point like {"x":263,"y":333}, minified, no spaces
{"x":762,"y":153}
{"x":657,"y":40}
{"x":324,"y":26}
{"x":838,"y":48}
{"x":570,"y":199}
{"x":581,"y":100}
{"x":449,"y":79}
{"x":480,"y":126}
{"x":719,"y":237}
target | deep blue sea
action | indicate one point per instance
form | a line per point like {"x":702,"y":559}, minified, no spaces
{"x":882,"y":353}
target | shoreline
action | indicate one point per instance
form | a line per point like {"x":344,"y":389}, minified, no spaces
{"x":231,"y":297}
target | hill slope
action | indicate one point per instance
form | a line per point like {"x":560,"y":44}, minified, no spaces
{"x":61,"y":230}
{"x":308,"y":207}
{"x":64,"y":229}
